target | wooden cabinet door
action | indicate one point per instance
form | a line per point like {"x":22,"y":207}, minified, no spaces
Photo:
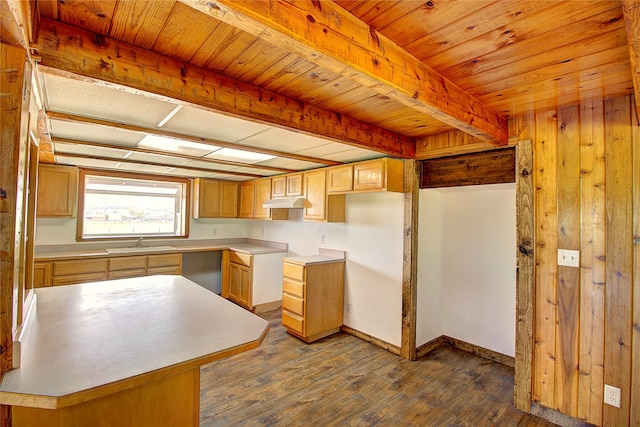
{"x":74,"y":279}
{"x":206,"y":198}
{"x":294,"y":185}
{"x":246,"y":199}
{"x":57,"y":191}
{"x":369,"y":175}
{"x":41,"y":274}
{"x":262,"y":194}
{"x":278,"y":186}
{"x":228,"y":199}
{"x":234,"y":281}
{"x":245,"y":286}
{"x":340,"y":179}
{"x":315,"y":193}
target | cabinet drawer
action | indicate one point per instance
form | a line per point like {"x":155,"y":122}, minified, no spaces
{"x":76,"y":267}
{"x":128,"y":263}
{"x":74,"y":279}
{"x":240,"y":258}
{"x":293,"y":304}
{"x":293,"y":271}
{"x":126,"y":274}
{"x":293,"y":322}
{"x":293,"y":288}
{"x":164,"y":260}
{"x":174,"y":269}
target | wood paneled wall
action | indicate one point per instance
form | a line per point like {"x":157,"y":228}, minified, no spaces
{"x":583,"y":174}
{"x":586,"y":323}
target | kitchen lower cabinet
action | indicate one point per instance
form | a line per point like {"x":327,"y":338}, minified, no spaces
{"x":76,"y":271}
{"x":312,"y":296}
{"x":250,"y":280}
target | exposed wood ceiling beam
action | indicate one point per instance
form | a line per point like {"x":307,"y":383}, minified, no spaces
{"x":631,"y":12}
{"x":154,"y":131}
{"x":86,"y":53}
{"x":325,"y":34}
{"x":164,"y":153}
{"x":139,"y":162}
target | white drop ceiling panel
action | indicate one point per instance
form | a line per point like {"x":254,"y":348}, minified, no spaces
{"x":283,"y":140}
{"x":209,"y":165}
{"x":143,"y":157}
{"x":353,"y":155}
{"x":90,"y":151}
{"x":86,"y":163}
{"x":106,"y":102}
{"x":93,"y":133}
{"x":282,"y":162}
{"x":207,"y":124}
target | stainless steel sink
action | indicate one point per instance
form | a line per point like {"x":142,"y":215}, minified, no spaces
{"x":140,"y":249}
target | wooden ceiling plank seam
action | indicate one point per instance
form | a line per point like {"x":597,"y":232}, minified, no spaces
{"x":580,"y":67}
{"x":526,"y":34}
{"x":220,"y":39}
{"x":150,"y":163}
{"x":575,"y":39}
{"x":496,"y":16}
{"x":432,"y":16}
{"x":93,"y":15}
{"x":252,"y":61}
{"x":333,"y":38}
{"x":572,"y":84}
{"x":160,"y":132}
{"x":139,"y":23}
{"x":78,"y":51}
{"x":631,"y":12}
{"x":468,"y":73}
{"x":173,"y":154}
{"x":281,"y":73}
{"x":179,"y":38}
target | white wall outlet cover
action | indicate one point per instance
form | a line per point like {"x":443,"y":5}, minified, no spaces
{"x":568,"y":258}
{"x":612,"y":395}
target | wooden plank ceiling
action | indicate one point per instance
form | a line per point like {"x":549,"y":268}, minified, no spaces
{"x":375,"y":75}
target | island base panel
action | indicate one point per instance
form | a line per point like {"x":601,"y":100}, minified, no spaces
{"x":173,"y":400}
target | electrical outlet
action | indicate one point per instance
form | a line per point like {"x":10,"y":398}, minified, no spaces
{"x":348,"y":307}
{"x":323,"y":238}
{"x":612,"y":395}
{"x":215,"y":231}
{"x":568,"y":258}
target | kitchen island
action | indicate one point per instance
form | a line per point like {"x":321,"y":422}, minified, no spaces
{"x":123,"y":352}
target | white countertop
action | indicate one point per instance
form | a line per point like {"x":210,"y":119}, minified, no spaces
{"x":84,"y":337}
{"x":95,"y":250}
{"x":323,"y":256}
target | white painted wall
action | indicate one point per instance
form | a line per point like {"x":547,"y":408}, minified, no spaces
{"x":372,"y":238}
{"x":62,"y":231}
{"x":474,"y":236}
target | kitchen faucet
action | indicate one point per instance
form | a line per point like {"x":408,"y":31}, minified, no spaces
{"x":139,"y":241}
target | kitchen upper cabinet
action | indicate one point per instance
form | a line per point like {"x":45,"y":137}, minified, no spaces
{"x":247,"y":189}
{"x":286,"y":185}
{"x":340,"y":179}
{"x":215,"y":198}
{"x":262,"y":194}
{"x":57,"y":191}
{"x":373,"y":175}
{"x":320,"y":205}
{"x":379,"y":175}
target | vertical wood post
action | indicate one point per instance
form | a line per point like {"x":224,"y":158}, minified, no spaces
{"x":525,"y":276}
{"x":410,"y":260}
{"x":635,"y":357}
{"x":12,"y":71}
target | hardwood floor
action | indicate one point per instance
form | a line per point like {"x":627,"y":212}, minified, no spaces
{"x":342,"y":380}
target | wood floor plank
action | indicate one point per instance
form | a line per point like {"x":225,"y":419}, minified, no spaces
{"x":342,"y":380}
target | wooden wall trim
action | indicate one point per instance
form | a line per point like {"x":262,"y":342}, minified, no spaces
{"x":635,"y":368}
{"x":556,"y":417}
{"x":410,"y":260}
{"x":444,"y":340}
{"x":371,"y":340}
{"x":490,"y":167}
{"x":525,"y":238}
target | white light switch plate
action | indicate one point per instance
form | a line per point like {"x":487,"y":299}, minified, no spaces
{"x":568,"y":258}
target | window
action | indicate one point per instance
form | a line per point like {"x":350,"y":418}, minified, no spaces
{"x":129,"y":205}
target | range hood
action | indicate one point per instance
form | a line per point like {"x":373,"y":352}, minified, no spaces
{"x":285,"y":203}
